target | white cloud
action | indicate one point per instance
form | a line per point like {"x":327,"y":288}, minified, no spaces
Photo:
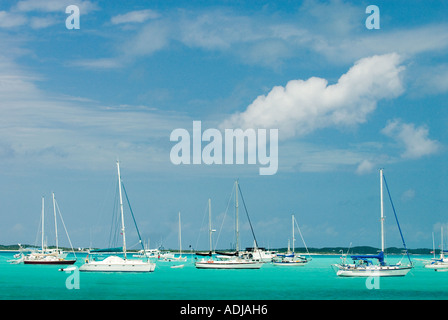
{"x":40,"y":23}
{"x":406,"y":42}
{"x":100,"y":63}
{"x":85,"y":6}
{"x":10,"y":20}
{"x":303,"y":106}
{"x":151,"y":38}
{"x":414,"y":140}
{"x":365,"y":166}
{"x":138,"y":16}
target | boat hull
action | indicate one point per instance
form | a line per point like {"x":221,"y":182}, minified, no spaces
{"x":290,"y":264}
{"x":383,"y":271}
{"x":211,"y":264}
{"x":437,"y":266}
{"x":51,"y":262}
{"x":116,"y":264}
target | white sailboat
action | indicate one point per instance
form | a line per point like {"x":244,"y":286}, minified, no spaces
{"x":115,"y":263}
{"x":291,"y":259}
{"x":234,"y":261}
{"x":172,"y":257}
{"x":363,"y":266}
{"x":259,"y":254}
{"x":440,"y":264}
{"x":210,"y":233}
{"x":45,"y":255}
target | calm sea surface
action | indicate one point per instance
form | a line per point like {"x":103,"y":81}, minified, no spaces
{"x":317,"y":280}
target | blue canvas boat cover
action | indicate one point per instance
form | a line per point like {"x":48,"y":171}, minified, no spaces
{"x":379,"y":256}
{"x":118,"y":249}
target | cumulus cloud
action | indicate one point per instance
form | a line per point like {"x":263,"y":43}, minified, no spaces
{"x":303,"y":106}
{"x":413,"y":139}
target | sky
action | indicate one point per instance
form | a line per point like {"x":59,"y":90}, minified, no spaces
{"x":346,"y":99}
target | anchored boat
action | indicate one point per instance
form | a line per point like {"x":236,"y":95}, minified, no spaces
{"x":234,"y":261}
{"x":116,"y":263}
{"x":363,"y":265}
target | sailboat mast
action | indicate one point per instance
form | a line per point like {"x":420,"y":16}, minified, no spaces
{"x":210,"y":223}
{"x":442,"y":256}
{"x":433,"y":246}
{"x":382,"y":210}
{"x":55,"y":221}
{"x":121,"y":210}
{"x":293,"y":239}
{"x":180,"y":239}
{"x":43,"y":223}
{"x":237,"y":226}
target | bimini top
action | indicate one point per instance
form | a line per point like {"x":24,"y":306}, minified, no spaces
{"x":379,"y":256}
{"x":109,"y":250}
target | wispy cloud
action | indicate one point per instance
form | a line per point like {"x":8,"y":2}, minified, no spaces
{"x":99,"y":63}
{"x":39,"y":14}
{"x":85,"y":6}
{"x":414,"y":140}
{"x":10,"y":20}
{"x":137,"y":16}
{"x":77,"y":133}
{"x":365,"y":166}
{"x":331,"y":31}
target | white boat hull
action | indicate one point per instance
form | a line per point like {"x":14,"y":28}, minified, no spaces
{"x":290,"y":264}
{"x":437,"y":266}
{"x":228,"y":264}
{"x":117,"y":264}
{"x":374,"y":271}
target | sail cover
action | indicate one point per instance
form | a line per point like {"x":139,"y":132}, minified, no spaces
{"x":379,"y":256}
{"x":118,"y":249}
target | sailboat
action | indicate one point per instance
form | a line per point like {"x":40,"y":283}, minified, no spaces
{"x":174,"y":258}
{"x":363,"y":266}
{"x":210,"y":233}
{"x":115,"y":263}
{"x":234,"y":261}
{"x":180,"y":258}
{"x":259,"y":254}
{"x":291,"y":259}
{"x":440,"y":264}
{"x":45,"y":255}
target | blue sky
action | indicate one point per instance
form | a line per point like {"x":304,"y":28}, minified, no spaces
{"x":346,"y":101}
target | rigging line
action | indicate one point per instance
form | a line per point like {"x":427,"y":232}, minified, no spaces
{"x":113,"y":225}
{"x":102,"y":206}
{"x":247,"y":213}
{"x":300,"y":232}
{"x":223,"y":219}
{"x":396,"y":219}
{"x":133,"y":218}
{"x":39,"y":230}
{"x":63,"y":223}
{"x":202,"y":225}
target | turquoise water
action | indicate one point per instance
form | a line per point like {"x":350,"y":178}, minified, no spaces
{"x":317,"y":280}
